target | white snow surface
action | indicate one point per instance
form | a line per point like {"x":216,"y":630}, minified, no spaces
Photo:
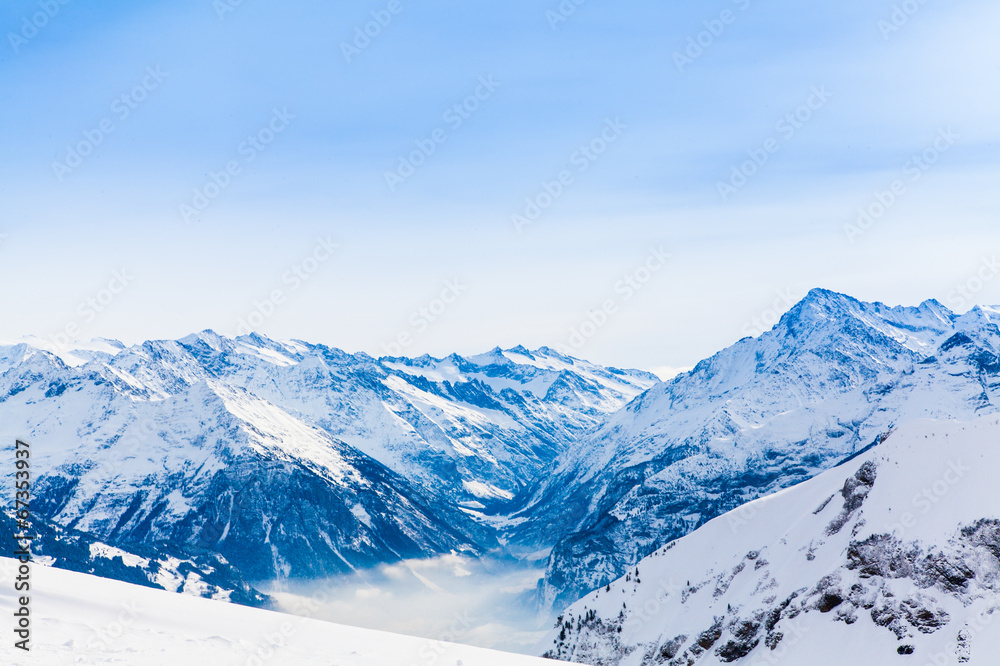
{"x":932,"y":479}
{"x":82,"y":619}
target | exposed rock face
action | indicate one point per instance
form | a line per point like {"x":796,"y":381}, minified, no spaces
{"x":895,"y":572}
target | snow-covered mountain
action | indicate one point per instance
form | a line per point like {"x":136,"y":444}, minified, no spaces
{"x":831,"y":378}
{"x":896,"y":552}
{"x":291,"y":459}
{"x":82,"y":619}
{"x":295,"y":459}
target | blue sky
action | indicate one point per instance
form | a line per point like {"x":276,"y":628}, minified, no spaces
{"x":642,"y":137}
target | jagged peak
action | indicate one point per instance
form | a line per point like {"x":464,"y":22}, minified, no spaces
{"x":978,"y":320}
{"x":110,"y":342}
{"x":549,"y":351}
{"x":934,"y":304}
{"x":823,"y":295}
{"x":833,"y":300}
{"x":818,"y":303}
{"x":71,"y":354}
{"x":494,"y":356}
{"x":208,"y":337}
{"x":919,"y":328}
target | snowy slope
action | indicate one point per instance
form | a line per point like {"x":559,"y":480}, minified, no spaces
{"x":830,"y":379}
{"x":82,"y":619}
{"x":896,"y":552}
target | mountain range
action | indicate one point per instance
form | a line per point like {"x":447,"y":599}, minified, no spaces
{"x":290,"y":459}
{"x":253,"y":459}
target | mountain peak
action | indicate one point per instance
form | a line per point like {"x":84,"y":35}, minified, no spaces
{"x":208,"y":336}
{"x":492,"y":357}
{"x":833,"y":315}
{"x":828,"y":299}
{"x":818,"y":308}
{"x":821,"y":293}
{"x":549,"y":351}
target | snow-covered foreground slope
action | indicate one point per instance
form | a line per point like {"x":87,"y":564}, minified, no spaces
{"x":893,"y":557}
{"x":830,"y":379}
{"x":82,"y":619}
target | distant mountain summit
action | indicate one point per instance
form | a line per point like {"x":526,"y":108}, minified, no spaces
{"x":833,"y":377}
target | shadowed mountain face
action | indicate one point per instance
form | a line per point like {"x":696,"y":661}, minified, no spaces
{"x":290,"y":459}
{"x":832,"y":378}
{"x":193,"y":571}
